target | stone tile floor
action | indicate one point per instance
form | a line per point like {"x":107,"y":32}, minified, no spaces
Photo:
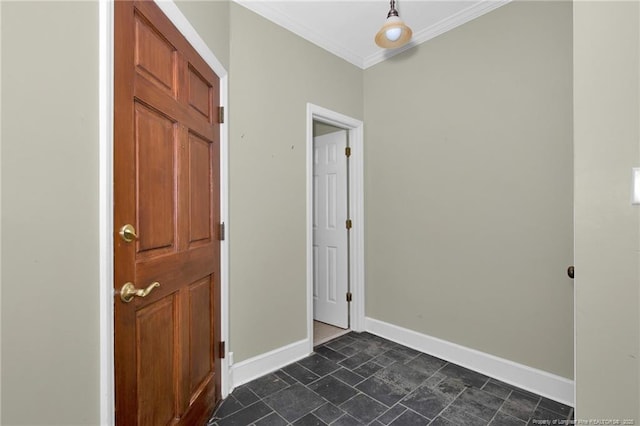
{"x":362,"y":379}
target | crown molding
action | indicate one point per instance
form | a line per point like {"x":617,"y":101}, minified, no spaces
{"x":264,"y":9}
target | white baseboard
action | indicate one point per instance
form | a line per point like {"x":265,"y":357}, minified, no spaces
{"x":540,"y":382}
{"x":258,"y":366}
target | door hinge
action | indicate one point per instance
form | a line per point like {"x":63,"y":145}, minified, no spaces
{"x":223,"y":348}
{"x":349,"y":296}
{"x":347,"y":151}
{"x":221,"y":232}
{"x":220,"y":114}
{"x":349,"y":224}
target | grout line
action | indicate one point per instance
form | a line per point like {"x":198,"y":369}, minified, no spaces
{"x":501,"y":405}
{"x":449,"y":404}
{"x":397,"y":404}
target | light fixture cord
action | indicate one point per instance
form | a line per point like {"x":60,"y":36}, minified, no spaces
{"x":392,"y":10}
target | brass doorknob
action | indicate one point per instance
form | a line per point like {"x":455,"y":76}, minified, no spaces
{"x":129,"y":291}
{"x":128,"y":233}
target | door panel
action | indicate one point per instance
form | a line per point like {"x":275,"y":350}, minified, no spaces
{"x":200,"y":332}
{"x":155,"y":141}
{"x":155,"y":58}
{"x":330,"y":236}
{"x":166,"y":169}
{"x":316,"y":273}
{"x":331,"y":273}
{"x":200,"y":94}
{"x":156,"y":362}
{"x":199,"y":189}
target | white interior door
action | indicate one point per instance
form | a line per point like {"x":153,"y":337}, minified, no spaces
{"x":330,"y":238}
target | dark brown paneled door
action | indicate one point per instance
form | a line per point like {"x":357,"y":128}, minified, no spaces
{"x":166,"y":186}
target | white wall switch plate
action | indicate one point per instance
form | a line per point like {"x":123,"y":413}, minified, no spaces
{"x":635,"y":186}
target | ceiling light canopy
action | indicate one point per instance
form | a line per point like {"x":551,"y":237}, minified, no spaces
{"x":394,"y":33}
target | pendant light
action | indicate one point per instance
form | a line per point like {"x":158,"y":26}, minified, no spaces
{"x":394,"y":33}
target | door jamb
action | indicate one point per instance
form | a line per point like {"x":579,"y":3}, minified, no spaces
{"x":105,"y":221}
{"x":355,"y":129}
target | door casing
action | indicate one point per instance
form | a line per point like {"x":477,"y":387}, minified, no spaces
{"x":105,"y":221}
{"x":355,"y":129}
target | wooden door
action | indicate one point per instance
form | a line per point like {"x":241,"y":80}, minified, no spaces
{"x":330,"y":234}
{"x":166,"y":185}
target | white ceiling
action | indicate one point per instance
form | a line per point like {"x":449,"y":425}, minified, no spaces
{"x":346,"y":28}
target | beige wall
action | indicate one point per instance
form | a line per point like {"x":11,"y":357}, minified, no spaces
{"x":273,"y":75}
{"x":468,"y":180}
{"x":50,"y":332}
{"x":211,"y":21}
{"x":320,"y":128}
{"x":606,"y":84}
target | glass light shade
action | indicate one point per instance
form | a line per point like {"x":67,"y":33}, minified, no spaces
{"x":394,"y":33}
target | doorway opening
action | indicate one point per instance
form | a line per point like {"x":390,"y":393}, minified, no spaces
{"x":323,"y":332}
{"x":330,"y":232}
{"x":335,"y":225}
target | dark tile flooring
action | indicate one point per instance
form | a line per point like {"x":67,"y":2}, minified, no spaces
{"x":362,"y":379}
